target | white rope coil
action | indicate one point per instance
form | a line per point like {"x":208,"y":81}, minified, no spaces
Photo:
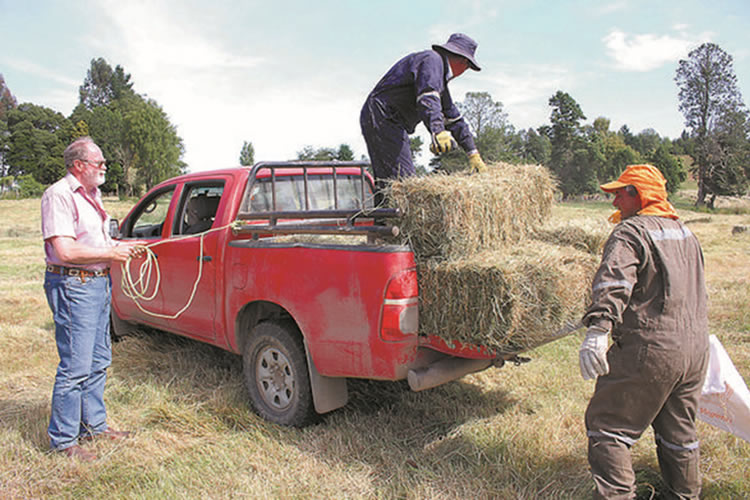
{"x":137,"y":289}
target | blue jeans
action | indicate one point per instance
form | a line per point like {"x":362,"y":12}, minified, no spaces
{"x":80,"y":307}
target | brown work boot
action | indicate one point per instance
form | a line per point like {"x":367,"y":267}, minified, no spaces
{"x":78,"y":453}
{"x":109,"y":433}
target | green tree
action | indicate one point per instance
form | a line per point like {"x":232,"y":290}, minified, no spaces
{"x":155,"y":142}
{"x":494,"y":136}
{"x":567,"y":144}
{"x":81,"y":129}
{"x":481,"y":112}
{"x":136,"y":137}
{"x":537,"y":148}
{"x":343,"y":153}
{"x":646,"y":142}
{"x":4,"y":147}
{"x":38,"y":137}
{"x":707,"y":92}
{"x":29,"y":187}
{"x":415,"y":146}
{"x":728,"y":157}
{"x":106,"y":125}
{"x":247,"y":154}
{"x":103,"y":85}
{"x":7,"y":101}
{"x":670,"y":166}
{"x":6,"y":185}
{"x":612,"y":153}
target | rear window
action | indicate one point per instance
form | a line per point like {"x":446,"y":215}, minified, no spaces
{"x":290,"y":194}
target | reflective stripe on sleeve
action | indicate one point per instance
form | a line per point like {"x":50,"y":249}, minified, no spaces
{"x":452,"y":120}
{"x":682,"y":233}
{"x":610,"y":284}
{"x":432,"y":93}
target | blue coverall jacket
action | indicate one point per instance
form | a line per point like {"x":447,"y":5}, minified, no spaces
{"x":415,"y":89}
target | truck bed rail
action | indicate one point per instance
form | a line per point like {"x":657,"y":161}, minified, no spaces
{"x":357,"y":221}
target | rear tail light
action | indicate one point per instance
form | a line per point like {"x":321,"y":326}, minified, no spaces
{"x":400,"y":318}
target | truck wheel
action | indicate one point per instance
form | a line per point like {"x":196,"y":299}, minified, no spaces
{"x":276,"y":374}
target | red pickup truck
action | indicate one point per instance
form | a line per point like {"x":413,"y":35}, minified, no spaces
{"x":304,"y":314}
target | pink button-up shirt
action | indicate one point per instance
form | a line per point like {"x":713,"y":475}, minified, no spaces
{"x":68,"y":210}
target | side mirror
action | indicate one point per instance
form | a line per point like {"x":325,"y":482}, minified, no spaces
{"x":114,"y":229}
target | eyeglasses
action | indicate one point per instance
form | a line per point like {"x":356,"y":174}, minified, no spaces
{"x":97,"y":164}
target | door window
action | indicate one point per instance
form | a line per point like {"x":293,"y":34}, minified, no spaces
{"x":148,"y":220}
{"x":199,"y":208}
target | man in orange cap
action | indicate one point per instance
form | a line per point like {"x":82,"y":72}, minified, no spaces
{"x":650,"y":294}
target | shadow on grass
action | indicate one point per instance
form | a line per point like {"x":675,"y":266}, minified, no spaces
{"x":448,"y":438}
{"x":435,"y":438}
{"x":28,"y":418}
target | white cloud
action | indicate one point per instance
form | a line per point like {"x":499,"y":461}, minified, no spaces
{"x":53,"y":90}
{"x":35,"y":69}
{"x":647,"y":51}
{"x":219,"y":96}
{"x":523,"y":90}
{"x":613,"y":6}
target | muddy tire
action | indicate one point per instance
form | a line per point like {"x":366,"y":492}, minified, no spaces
{"x":276,"y":375}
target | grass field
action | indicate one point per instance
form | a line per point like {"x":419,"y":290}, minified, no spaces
{"x":513,"y":432}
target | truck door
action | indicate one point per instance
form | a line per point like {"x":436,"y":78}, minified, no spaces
{"x":147,"y":225}
{"x":188,"y":262}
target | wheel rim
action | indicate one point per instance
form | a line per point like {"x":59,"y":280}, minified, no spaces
{"x":275,"y":379}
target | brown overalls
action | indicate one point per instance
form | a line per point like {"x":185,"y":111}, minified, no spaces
{"x":650,"y":290}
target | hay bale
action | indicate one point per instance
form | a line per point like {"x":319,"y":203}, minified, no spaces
{"x":511,"y":299}
{"x":319,"y":239}
{"x":449,"y":216}
{"x":585,"y":235}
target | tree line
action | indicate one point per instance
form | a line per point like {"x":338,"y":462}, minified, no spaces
{"x":140,"y":144}
{"x":143,"y":148}
{"x":714,"y":147}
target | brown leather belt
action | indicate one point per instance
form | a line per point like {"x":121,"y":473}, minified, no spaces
{"x":76,"y":271}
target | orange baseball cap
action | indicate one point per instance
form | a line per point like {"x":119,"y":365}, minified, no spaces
{"x":643,"y":177}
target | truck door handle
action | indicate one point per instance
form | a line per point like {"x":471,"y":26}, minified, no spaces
{"x":206,"y":258}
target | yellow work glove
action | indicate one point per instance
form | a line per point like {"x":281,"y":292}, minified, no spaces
{"x":442,"y":142}
{"x":476,"y":164}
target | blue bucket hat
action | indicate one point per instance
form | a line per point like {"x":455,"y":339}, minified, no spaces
{"x":461,"y":45}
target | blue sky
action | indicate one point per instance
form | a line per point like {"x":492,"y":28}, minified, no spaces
{"x":287,"y":74}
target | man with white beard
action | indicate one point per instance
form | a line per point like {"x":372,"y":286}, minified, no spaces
{"x":79,"y":252}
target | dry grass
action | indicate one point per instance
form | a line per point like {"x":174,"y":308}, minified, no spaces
{"x":583,"y":234}
{"x":515,"y":432}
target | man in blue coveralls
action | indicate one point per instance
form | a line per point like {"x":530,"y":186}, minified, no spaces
{"x":416,"y":89}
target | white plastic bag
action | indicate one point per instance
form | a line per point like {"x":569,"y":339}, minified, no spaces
{"x":725,"y":399}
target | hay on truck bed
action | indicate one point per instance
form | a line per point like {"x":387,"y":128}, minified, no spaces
{"x":446,"y":216}
{"x":493,"y":269}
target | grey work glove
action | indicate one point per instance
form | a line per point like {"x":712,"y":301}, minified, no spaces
{"x":592,"y":356}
